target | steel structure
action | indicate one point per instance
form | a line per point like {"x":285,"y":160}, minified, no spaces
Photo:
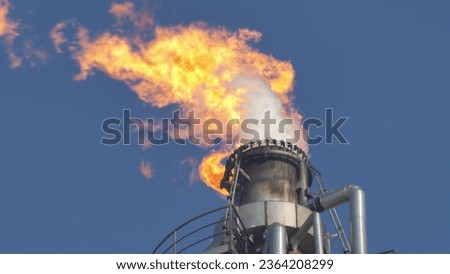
{"x":272,"y":209}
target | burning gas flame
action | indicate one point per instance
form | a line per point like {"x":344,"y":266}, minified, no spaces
{"x":147,"y":170}
{"x":211,"y":170}
{"x":7,"y":27}
{"x":9,"y":31}
{"x":210,"y":70}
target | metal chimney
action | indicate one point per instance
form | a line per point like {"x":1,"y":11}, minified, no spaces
{"x":271,"y":183}
{"x":271,"y":208}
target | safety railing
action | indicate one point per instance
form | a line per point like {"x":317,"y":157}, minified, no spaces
{"x":191,"y":234}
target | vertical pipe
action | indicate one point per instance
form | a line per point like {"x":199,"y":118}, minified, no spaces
{"x":277,"y":239}
{"x":357,"y":203}
{"x":328,"y":243}
{"x":175,"y":242}
{"x":358,"y":221}
{"x":301,"y":233}
{"x":302,"y":184}
{"x":318,"y":233}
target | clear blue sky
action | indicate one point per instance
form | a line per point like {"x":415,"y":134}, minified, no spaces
{"x":384,"y":64}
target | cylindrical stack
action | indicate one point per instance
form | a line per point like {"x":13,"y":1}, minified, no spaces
{"x":274,"y":191}
{"x":276,"y":174}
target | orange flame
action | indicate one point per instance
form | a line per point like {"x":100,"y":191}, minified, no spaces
{"x":197,"y":67}
{"x":211,"y":170}
{"x":147,"y":170}
{"x":7,"y":27}
{"x":8,"y":30}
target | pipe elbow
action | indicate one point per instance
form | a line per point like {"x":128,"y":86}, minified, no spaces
{"x":352,"y":187}
{"x":336,"y":197}
{"x":349,"y":189}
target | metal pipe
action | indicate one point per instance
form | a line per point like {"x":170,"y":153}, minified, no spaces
{"x":327,"y":243}
{"x":356,"y":198}
{"x":358,"y":221}
{"x":175,"y":242}
{"x":318,"y":233}
{"x":301,"y":233}
{"x":277,"y":239}
{"x":302,"y":184}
